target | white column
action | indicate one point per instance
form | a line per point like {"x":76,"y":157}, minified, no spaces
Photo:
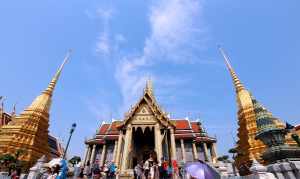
{"x":85,"y":154}
{"x":115,"y":151}
{"x":195,"y":153}
{"x":119,"y":149}
{"x":158,"y":142}
{"x":93,"y":154}
{"x":173,"y":145}
{"x":183,"y":150}
{"x":206,"y":152}
{"x":88,"y":155}
{"x":126,"y":147}
{"x":213,"y":152}
{"x":103,"y":155}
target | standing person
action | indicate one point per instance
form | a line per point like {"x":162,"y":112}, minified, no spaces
{"x":14,"y":174}
{"x":138,"y":170}
{"x":54,"y":172}
{"x":81,"y":172}
{"x":47,"y":171}
{"x":155,"y":174}
{"x":96,"y":173}
{"x":170,"y":170}
{"x":106,"y":170}
{"x":77,"y":169}
{"x":87,"y":170}
{"x":146,"y":168}
{"x":164,"y":169}
{"x":182,"y":172}
{"x":112,"y":170}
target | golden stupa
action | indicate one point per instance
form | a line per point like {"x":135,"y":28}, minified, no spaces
{"x":247,"y":147}
{"x":29,"y":130}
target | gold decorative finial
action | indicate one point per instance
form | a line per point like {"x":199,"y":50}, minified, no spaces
{"x":237,"y":83}
{"x":149,"y":87}
{"x":53,"y":82}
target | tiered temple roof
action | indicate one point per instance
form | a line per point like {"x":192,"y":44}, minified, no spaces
{"x":184,"y":129}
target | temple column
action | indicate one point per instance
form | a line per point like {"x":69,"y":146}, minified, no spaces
{"x":128,"y":136}
{"x":93,"y":154}
{"x":183,"y":150}
{"x":115,"y":151}
{"x":213,"y":152}
{"x":103,"y":155}
{"x":158,"y":142}
{"x":88,"y":155}
{"x":119,"y":149}
{"x":205,"y":152}
{"x":195,"y":153}
{"x":173,"y":145}
{"x":85,"y":154}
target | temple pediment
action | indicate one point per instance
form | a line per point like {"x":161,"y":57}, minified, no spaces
{"x":146,"y":111}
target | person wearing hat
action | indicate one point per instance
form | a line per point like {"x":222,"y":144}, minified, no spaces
{"x":46,"y":172}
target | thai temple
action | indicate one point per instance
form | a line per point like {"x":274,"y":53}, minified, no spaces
{"x":29,"y":130}
{"x":147,"y":128}
{"x":256,"y":129}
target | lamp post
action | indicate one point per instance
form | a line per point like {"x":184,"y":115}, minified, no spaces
{"x":71,"y":132}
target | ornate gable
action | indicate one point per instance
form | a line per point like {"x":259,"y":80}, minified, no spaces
{"x":146,"y":111}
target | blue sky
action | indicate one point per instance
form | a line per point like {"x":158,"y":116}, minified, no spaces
{"x":117,"y":45}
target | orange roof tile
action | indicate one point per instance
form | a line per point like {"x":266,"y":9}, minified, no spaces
{"x":103,"y":129}
{"x":196,"y":126}
{"x":181,"y":124}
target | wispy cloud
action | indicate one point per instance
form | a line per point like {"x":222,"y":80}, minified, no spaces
{"x":176,"y":32}
{"x":106,"y":43}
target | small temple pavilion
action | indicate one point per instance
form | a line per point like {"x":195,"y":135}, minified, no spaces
{"x":145,"y":129}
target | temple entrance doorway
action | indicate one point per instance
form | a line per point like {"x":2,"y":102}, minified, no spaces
{"x":143,"y":145}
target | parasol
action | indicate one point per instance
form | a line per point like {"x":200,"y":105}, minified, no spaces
{"x":199,"y":170}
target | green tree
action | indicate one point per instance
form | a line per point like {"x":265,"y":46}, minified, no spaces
{"x":223,"y":158}
{"x":11,"y":161}
{"x":75,"y":160}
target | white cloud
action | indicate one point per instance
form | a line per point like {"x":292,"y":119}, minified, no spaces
{"x":176,"y":30}
{"x":104,"y":43}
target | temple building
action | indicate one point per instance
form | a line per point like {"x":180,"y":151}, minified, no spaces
{"x":248,"y":146}
{"x":147,"y":128}
{"x":29,"y":130}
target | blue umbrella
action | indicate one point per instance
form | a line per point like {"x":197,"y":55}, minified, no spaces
{"x":199,"y":170}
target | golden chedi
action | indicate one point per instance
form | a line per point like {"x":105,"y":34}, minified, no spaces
{"x":247,"y":127}
{"x":29,"y":130}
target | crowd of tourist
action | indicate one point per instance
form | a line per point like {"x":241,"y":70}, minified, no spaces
{"x":107,"y":171}
{"x":153,"y":169}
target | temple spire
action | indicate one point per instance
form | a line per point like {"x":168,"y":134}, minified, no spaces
{"x":54,"y":80}
{"x":237,"y":83}
{"x":43,"y":101}
{"x":149,"y":87}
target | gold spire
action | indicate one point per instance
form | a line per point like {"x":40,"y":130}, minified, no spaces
{"x":237,"y":83}
{"x":43,"y":101}
{"x":54,"y":80}
{"x":149,"y":87}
